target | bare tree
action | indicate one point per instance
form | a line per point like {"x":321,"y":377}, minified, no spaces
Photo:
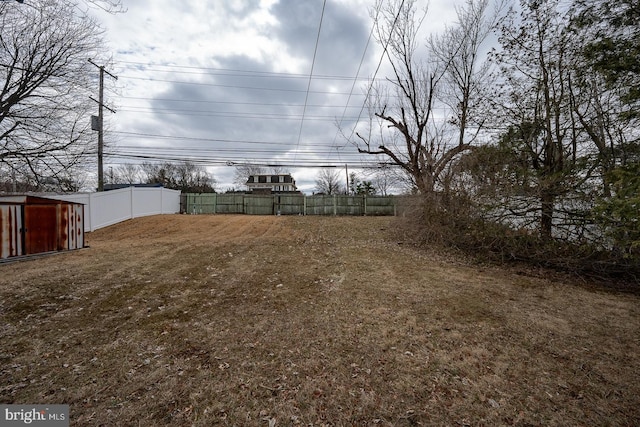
{"x":386,"y":180}
{"x":44,"y":86}
{"x":535,"y":101}
{"x":466,"y":73}
{"x":279,"y":170}
{"x":243,"y":171}
{"x":185,"y":176}
{"x":127,"y":173}
{"x":111,"y":6}
{"x":421,"y":145}
{"x":328,"y":181}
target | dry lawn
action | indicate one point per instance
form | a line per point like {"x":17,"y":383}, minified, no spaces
{"x":277,"y":321}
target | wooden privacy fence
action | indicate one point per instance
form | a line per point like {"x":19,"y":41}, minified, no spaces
{"x":286,"y":204}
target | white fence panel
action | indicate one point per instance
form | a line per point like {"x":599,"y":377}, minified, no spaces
{"x":110,"y":207}
{"x":146,"y":202}
{"x":170,"y":201}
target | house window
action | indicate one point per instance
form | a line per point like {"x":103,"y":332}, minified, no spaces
{"x":262,"y":179}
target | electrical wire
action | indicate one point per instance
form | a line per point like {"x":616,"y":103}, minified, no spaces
{"x":355,"y":80}
{"x":200,"y":101}
{"x":236,"y":154}
{"x":313,"y":62}
{"x":384,"y":52}
{"x":124,"y":76}
{"x":233,"y":72}
{"x":231,"y":161}
{"x":207,"y":140}
{"x":240,"y":115}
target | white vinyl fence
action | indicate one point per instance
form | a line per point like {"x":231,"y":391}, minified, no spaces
{"x":110,"y":207}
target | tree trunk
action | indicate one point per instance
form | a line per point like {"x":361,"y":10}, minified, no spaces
{"x":546,"y":217}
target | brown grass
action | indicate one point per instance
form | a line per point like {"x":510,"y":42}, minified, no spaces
{"x":272,"y":321}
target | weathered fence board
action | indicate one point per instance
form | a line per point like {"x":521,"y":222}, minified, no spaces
{"x":288,"y":204}
{"x":258,"y":205}
{"x":229,"y":203}
{"x":321,"y":205}
{"x":378,"y":205}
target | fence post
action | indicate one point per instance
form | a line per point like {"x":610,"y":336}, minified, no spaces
{"x":131,"y":197}
{"x":364,"y":201}
{"x":91,"y":212}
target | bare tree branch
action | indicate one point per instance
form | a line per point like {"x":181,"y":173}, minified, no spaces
{"x":328,"y":181}
{"x":426,"y":148}
{"x":45,"y":83}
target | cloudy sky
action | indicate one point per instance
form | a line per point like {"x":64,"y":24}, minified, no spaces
{"x":225,"y":82}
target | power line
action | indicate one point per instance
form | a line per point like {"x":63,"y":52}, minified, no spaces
{"x":384,"y":52}
{"x":234,"y":72}
{"x":355,"y":79}
{"x":313,"y":62}
{"x":231,"y":161}
{"x":234,"y":86}
{"x":260,"y":84}
{"x":209,"y":140}
{"x":189,"y":138}
{"x":267,"y":104}
{"x":238,"y":115}
{"x":219,"y":152}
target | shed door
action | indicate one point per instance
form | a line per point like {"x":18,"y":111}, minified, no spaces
{"x":10,"y":231}
{"x":76,"y":227}
{"x":41,"y":231}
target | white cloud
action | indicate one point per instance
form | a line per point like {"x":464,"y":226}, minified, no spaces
{"x":222,"y":85}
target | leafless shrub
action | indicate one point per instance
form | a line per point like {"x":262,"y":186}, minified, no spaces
{"x":454,"y":222}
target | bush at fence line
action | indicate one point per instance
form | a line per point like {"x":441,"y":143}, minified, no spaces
{"x":454,"y":222}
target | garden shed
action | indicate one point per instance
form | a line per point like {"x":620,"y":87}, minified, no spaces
{"x":33,"y":225}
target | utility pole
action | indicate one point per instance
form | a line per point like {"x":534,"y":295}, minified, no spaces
{"x":346,"y":169}
{"x":99,"y":126}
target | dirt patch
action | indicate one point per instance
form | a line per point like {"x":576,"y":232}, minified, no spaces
{"x":248,"y":320}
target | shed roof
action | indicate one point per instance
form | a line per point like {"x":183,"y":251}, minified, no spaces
{"x":26,"y":199}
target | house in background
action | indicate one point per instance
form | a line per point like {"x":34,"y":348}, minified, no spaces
{"x":269,"y":184}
